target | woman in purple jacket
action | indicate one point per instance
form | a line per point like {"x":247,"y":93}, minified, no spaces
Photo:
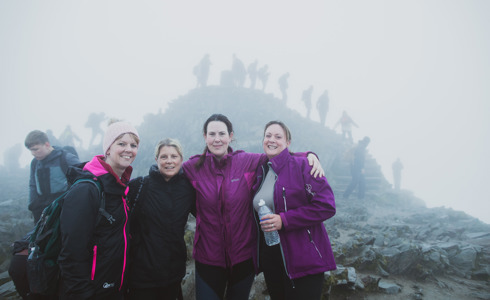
{"x":293,"y":269}
{"x":225,"y":237}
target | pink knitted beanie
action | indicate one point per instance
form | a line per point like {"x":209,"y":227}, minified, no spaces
{"x":114,"y":131}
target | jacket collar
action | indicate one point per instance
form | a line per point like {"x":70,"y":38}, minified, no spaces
{"x":98,"y":167}
{"x":155,"y":173}
{"x":55,"y":154}
{"x":278,"y":162}
{"x":220,"y":163}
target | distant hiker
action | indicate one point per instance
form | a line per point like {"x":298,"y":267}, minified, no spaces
{"x":93,"y":258}
{"x":48,"y":171}
{"x":252,"y":73}
{"x":306,"y":98}
{"x":357,"y":170}
{"x":346,"y":123}
{"x":239,"y":72}
{"x":11,"y":158}
{"x":201,"y":71}
{"x":293,"y":269}
{"x":263,"y":75}
{"x":160,"y":205}
{"x":68,"y":137}
{"x":322,"y":107}
{"x":52,"y":139}
{"x":397,"y":167}
{"x":283,"y":86}
{"x":93,"y":122}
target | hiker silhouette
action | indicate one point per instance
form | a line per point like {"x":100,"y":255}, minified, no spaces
{"x":201,"y":71}
{"x":252,"y":73}
{"x":93,"y":122}
{"x":397,"y":167}
{"x":306,"y":98}
{"x":68,"y":137}
{"x":263,"y":76}
{"x":52,"y":139}
{"x":11,"y":158}
{"x":346,"y":123}
{"x":358,"y":180}
{"x":283,"y":86}
{"x":322,"y":105}
{"x":239,"y":72}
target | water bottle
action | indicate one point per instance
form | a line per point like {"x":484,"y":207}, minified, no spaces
{"x":271,"y":237}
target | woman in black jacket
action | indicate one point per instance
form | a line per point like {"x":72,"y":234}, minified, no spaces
{"x":161,"y":203}
{"x":94,"y":248}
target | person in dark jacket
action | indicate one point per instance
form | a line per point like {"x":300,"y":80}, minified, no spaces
{"x":93,"y":255}
{"x":48,"y":171}
{"x":358,"y":180}
{"x":161,"y":202}
{"x":293,"y":269}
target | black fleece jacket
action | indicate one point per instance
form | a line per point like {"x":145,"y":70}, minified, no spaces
{"x":158,"y":252}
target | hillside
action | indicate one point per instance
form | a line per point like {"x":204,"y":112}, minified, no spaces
{"x":390,"y":246}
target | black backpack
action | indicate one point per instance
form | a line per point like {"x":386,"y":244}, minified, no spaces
{"x":45,"y":244}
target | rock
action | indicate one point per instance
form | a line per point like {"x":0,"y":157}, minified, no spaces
{"x":370,"y":283}
{"x":476,"y":235}
{"x":465,"y":259}
{"x":342,"y":276}
{"x":389,"y":287}
{"x":7,"y":291}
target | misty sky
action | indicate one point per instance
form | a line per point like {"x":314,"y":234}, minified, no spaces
{"x":413,"y":74}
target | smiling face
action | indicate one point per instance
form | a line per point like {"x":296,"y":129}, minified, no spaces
{"x":122,"y":153}
{"x":169,"y":162}
{"x":217,"y":138}
{"x":275,"y":140}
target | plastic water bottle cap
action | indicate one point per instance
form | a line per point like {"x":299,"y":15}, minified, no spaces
{"x":261,"y":202}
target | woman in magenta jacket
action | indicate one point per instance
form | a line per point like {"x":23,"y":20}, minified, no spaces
{"x":225,"y":237}
{"x":293,"y":269}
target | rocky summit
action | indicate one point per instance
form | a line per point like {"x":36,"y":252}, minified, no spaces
{"x":387,"y":246}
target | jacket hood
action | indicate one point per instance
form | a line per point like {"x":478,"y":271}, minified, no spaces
{"x":55,"y":154}
{"x":99,"y":167}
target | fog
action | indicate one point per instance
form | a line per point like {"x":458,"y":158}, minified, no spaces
{"x":414,"y":75}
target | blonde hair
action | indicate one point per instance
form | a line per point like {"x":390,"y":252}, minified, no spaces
{"x":168,"y":142}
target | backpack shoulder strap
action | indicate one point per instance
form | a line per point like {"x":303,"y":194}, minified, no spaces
{"x":63,"y":162}
{"x":136,"y":201}
{"x":141,"y":191}
{"x":102,"y":211}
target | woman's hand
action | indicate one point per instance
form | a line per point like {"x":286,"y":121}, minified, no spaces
{"x":316,"y":169}
{"x":271,"y":222}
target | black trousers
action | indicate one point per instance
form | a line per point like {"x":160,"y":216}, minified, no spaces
{"x":213,"y":281}
{"x":170,"y":292}
{"x":279,"y":285}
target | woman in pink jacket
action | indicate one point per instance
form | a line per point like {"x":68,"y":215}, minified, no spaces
{"x":225,"y":237}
